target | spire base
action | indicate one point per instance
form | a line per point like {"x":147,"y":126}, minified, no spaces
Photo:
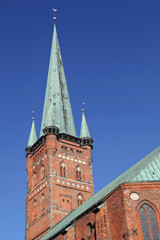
{"x":51,"y":130}
{"x":28,"y":150}
{"x":87,"y":141}
{"x":37,"y":144}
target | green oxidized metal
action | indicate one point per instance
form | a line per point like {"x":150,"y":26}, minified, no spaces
{"x":84,"y":128}
{"x":33,"y":135}
{"x":57,"y":90}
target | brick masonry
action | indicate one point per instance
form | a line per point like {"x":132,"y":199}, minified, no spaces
{"x":50,"y":196}
{"x":119,"y":217}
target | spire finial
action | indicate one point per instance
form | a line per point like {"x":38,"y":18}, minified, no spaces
{"x":83,"y":103}
{"x":54,"y":11}
{"x":33,"y":115}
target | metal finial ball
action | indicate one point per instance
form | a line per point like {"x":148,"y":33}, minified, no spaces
{"x":33,"y":115}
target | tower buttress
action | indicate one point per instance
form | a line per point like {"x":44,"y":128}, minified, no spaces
{"x":59,"y":164}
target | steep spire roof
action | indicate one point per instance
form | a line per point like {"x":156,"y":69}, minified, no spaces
{"x":33,"y":135}
{"x":50,"y":116}
{"x":84,"y":128}
{"x":56,"y":89}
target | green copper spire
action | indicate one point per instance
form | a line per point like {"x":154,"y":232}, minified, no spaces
{"x":56,"y":89}
{"x":33,"y":135}
{"x":84,"y":128}
{"x":50,"y":115}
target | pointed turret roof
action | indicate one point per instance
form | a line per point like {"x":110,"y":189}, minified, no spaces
{"x":57,"y":90}
{"x":33,"y":135}
{"x":84,"y":128}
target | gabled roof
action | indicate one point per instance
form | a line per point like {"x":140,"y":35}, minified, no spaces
{"x":146,"y":170}
{"x":57,"y":90}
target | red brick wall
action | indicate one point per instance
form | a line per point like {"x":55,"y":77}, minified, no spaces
{"x":60,"y":193}
{"x":119,"y":217}
{"x":148,"y":193}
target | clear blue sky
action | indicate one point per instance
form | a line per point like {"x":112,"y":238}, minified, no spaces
{"x":111,"y":55}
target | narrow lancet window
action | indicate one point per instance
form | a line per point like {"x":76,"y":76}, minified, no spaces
{"x":148,"y":223}
{"x":34,"y":178}
{"x":78,"y":173}
{"x":79,"y":200}
{"x":42,"y":172}
{"x":42,"y":202}
{"x":35,"y":207}
{"x":62,"y":170}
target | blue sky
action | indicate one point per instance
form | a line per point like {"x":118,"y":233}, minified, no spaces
{"x":111,"y":56}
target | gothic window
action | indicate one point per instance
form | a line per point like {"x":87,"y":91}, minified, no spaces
{"x":62,"y":170}
{"x":148,"y":223}
{"x":78,"y":173}
{"x":79,"y":200}
{"x":42,"y":172}
{"x":89,"y":229}
{"x":42,"y":202}
{"x":34,"y":178}
{"x":35,"y":207}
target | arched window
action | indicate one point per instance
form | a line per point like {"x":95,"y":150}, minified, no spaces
{"x":62,"y":170}
{"x":89,"y":229}
{"x":42,"y":172}
{"x":78,"y":173}
{"x":42,"y":202}
{"x":34,"y":178}
{"x":35,"y":207}
{"x":148,"y":223}
{"x":79,"y":200}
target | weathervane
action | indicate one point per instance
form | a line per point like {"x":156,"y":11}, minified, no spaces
{"x":83,"y":103}
{"x":33,"y":115}
{"x":54,"y":10}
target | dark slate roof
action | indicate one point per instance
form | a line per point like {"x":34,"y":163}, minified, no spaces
{"x":146,"y":170}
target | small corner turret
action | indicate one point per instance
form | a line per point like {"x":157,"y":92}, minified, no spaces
{"x":86,"y":140}
{"x":32,"y":137}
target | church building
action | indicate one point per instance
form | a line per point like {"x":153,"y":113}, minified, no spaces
{"x":60,"y":202}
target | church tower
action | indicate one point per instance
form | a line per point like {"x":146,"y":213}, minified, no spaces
{"x":59,"y":164}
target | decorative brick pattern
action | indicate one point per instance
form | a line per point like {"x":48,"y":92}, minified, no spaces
{"x":52,"y":197}
{"x":119,"y":217}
